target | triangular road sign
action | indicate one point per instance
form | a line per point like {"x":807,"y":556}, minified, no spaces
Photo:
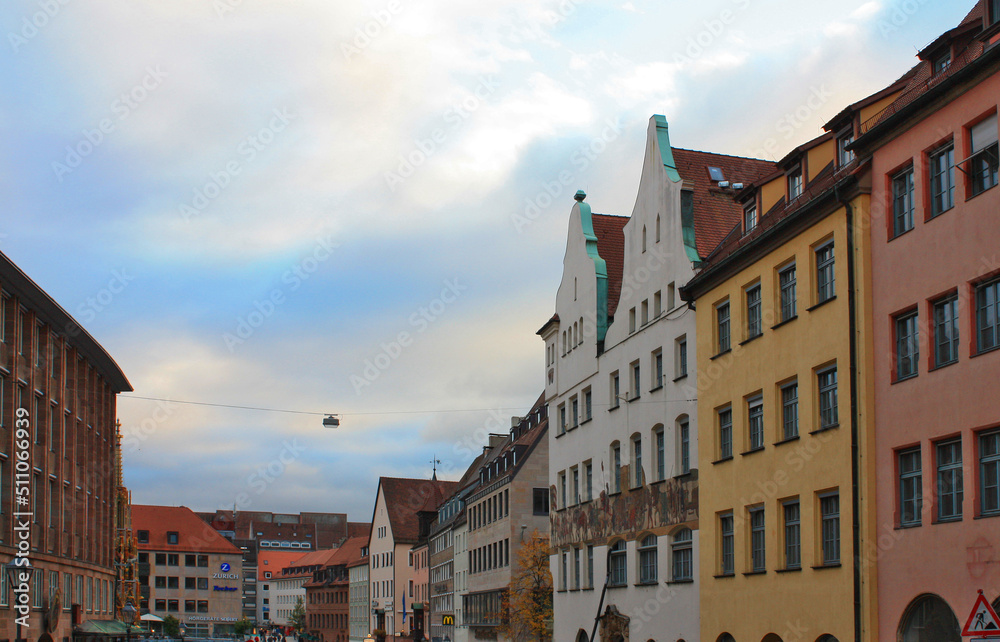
{"x":983,"y":620}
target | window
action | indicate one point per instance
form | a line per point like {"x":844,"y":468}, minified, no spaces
{"x":647,"y":560}
{"x":749,"y":217}
{"x":670,"y":296}
{"x":636,"y":382}
{"x":994,"y":11}
{"x":942,"y":168}
{"x":790,"y":410}
{"x":160,"y":582}
{"x":576,"y":569}
{"x":562,"y":418}
{"x":657,"y":369}
{"x":795,"y":184}
{"x":661,"y":460}
{"x":636,"y":462}
{"x":142,"y":537}
{"x":173,"y":559}
{"x":203,"y":584}
{"x":825,"y":283}
{"x":722,"y":326}
{"x":589,"y":481}
{"x":942,"y":62}
{"x":755,"y":421}
{"x":983,"y":163}
{"x":988,"y":315}
{"x":727,"y":559}
{"x":829,"y":510}
{"x":644,"y":311}
{"x":989,"y":472}
{"x":910,"y":499}
{"x":172,"y":537}
{"x":203,"y":560}
{"x":902,"y":202}
{"x":540,"y":501}
{"x":684,"y":431}
{"x":753,"y":311}
{"x":161,"y":605}
{"x":949,"y":480}
{"x":562,"y":492}
{"x":907,"y":347}
{"x":190,"y":560}
{"x":725,"y":433}
{"x":161,"y":559}
{"x":946,"y":331}
{"x":189,"y":583}
{"x":575,"y":411}
{"x":786,"y":287}
{"x":189,"y":606}
{"x":631,"y":320}
{"x":682,"y":357}
{"x":619,"y":568}
{"x":757,"y":542}
{"x":682,"y":556}
{"x":844,"y":155}
{"x":793,"y":535}
{"x":173,"y":582}
{"x":576,"y":484}
{"x":615,"y":390}
{"x":828,"y":414}
{"x":643,"y":238}
{"x":588,"y":406}
{"x":616,"y":471}
{"x":590,"y":566}
{"x":657,"y":304}
{"x":657,"y":228}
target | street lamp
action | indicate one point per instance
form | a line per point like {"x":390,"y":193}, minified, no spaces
{"x":20,"y":587}
{"x":181,"y":630}
{"x":128,"y":616}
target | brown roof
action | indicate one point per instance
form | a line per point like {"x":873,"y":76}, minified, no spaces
{"x":923,"y":81}
{"x":610,"y":231}
{"x":193,"y":534}
{"x":404,"y":498}
{"x":715,"y":211}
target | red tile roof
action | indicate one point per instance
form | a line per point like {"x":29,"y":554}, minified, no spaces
{"x":715,"y":211}
{"x":610,"y":231}
{"x":404,"y":498}
{"x":193,"y":534}
{"x":274,"y":561}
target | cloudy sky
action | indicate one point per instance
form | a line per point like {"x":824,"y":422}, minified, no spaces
{"x":353,"y":206}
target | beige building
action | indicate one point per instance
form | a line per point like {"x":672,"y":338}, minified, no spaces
{"x":187,"y":570}
{"x":510,"y":504}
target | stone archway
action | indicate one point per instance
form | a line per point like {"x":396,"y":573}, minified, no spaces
{"x":928,"y":618}
{"x":614,"y":625}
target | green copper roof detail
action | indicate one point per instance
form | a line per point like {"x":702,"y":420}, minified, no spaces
{"x":687,"y":198}
{"x":600,"y":265}
{"x":666,"y":154}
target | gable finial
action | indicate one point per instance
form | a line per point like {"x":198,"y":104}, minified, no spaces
{"x":580,"y":195}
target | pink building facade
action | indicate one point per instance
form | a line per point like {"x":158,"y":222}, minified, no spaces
{"x":935,"y":239}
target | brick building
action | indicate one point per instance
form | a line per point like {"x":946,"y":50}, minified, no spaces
{"x":60,"y":384}
{"x":327,"y":595}
{"x":187,"y":570}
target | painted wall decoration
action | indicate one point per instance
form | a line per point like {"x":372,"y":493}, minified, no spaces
{"x":651,"y":507}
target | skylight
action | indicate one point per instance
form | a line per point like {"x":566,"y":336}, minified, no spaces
{"x":715,"y":174}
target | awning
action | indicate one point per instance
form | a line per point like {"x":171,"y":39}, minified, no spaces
{"x":104,"y":627}
{"x":149,"y":617}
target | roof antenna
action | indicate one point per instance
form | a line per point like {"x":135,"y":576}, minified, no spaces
{"x":434,"y":462}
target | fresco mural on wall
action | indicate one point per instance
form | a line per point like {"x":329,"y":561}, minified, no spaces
{"x":626,"y":514}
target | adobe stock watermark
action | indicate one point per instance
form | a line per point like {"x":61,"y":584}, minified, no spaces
{"x":94,"y":305}
{"x":794,"y":120}
{"x":419,"y":321}
{"x":292,"y":279}
{"x":121,"y":108}
{"x":536,"y":30}
{"x":372,"y":28}
{"x":581,"y":159}
{"x":31,"y":27}
{"x":265,"y":475}
{"x":899,"y":15}
{"x":139,"y":433}
{"x":247,"y":150}
{"x":714,"y":28}
{"x":22,"y":527}
{"x":454,"y":117}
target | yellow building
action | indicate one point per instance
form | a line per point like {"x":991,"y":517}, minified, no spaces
{"x":782,"y":393}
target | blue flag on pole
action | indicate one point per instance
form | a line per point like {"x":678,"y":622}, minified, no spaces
{"x":404,"y":607}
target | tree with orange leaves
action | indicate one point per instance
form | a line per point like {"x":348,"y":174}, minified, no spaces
{"x":527,"y":604}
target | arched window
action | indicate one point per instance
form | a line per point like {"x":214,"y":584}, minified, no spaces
{"x":682,"y":555}
{"x":619,"y":566}
{"x":647,"y":560}
{"x":581,"y":636}
{"x":929,"y":619}
{"x":826,"y":637}
{"x":725,"y":637}
{"x":771,"y":637}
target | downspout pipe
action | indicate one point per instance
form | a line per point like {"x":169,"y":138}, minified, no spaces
{"x":604,"y":591}
{"x":855,"y":465}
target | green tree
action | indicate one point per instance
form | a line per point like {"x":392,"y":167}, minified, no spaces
{"x":242,"y":627}
{"x":297,"y":620}
{"x":527,"y":604}
{"x":171,"y":626}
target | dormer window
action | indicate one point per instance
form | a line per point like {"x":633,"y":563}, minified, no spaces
{"x":844,"y":155}
{"x":994,"y":12}
{"x":942,"y":62}
{"x":749,"y":217}
{"x":795,"y":183}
